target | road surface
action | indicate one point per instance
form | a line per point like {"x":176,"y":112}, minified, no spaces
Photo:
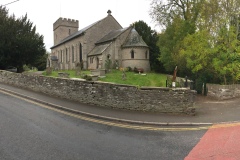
{"x":30,"y":131}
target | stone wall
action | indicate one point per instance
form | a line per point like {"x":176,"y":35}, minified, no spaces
{"x":139,"y":60}
{"x":222,"y":92}
{"x":165,"y":100}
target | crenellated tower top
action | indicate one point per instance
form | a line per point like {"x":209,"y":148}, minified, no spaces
{"x":63,"y":28}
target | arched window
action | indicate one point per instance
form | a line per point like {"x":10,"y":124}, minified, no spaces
{"x":146,"y":54}
{"x":132,"y":54}
{"x":61,"y":56}
{"x":97,"y":65}
{"x":72,"y":53}
{"x":80,"y":52}
{"x":66,"y":55}
{"x":58,"y":56}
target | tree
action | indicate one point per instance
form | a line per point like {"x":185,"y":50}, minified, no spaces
{"x":198,"y":53}
{"x":19,"y":42}
{"x":164,"y":12}
{"x":201,"y":37}
{"x":227,"y":59}
{"x":150,"y":37}
{"x":178,"y":18}
{"x":219,"y":60}
{"x":41,"y":62}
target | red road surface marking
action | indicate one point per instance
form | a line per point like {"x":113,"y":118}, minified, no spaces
{"x":220,"y":142}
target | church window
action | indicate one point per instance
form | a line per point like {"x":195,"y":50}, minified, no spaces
{"x":58,"y":56}
{"x":146,"y":54}
{"x":69,"y":31}
{"x":66,"y":55}
{"x":132,"y":54}
{"x":108,"y":56}
{"x":80,"y":52}
{"x":61,"y":56}
{"x":91,"y":59}
{"x":72,"y":53}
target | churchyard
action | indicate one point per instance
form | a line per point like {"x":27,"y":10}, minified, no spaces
{"x":120,"y":77}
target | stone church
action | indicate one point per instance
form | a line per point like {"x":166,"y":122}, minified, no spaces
{"x":97,"y":44}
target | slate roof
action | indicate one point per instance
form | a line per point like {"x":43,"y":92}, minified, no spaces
{"x":111,"y":35}
{"x":99,"y":49}
{"x":134,"y":40}
{"x":77,"y":34}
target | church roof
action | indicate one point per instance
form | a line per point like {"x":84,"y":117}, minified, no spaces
{"x":111,"y":35}
{"x":99,"y":49}
{"x":78,"y":33}
{"x":134,"y":40}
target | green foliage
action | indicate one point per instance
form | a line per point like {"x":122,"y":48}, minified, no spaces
{"x":129,"y":69}
{"x":221,"y":59}
{"x":108,"y":64}
{"x":87,"y":77}
{"x":201,"y":38}
{"x":170,"y":43}
{"x":197,"y":51}
{"x":41,"y":62}
{"x":226,"y":61}
{"x":26,"y":68}
{"x":19,"y":42}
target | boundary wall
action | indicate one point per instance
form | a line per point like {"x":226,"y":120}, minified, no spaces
{"x":222,"y":92}
{"x":147,"y":99}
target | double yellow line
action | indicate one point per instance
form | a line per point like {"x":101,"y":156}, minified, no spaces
{"x":124,"y":125}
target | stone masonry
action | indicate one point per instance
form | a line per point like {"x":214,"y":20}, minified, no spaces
{"x":223,"y":92}
{"x":147,"y":99}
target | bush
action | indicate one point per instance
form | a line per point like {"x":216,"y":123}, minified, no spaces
{"x":87,"y":77}
{"x":108,"y":64}
{"x":26,"y":68}
{"x":129,"y":69}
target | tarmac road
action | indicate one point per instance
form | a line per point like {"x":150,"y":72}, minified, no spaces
{"x":29,"y":131}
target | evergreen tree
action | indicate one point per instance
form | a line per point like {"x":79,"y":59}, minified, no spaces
{"x":19,"y":42}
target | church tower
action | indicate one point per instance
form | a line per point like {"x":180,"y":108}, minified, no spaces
{"x":63,"y":28}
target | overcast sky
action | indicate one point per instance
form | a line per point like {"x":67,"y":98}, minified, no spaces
{"x":43,"y":13}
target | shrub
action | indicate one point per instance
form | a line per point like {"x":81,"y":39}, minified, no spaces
{"x":87,"y":77}
{"x":108,"y":64}
{"x":129,"y":69}
{"x":26,"y":68}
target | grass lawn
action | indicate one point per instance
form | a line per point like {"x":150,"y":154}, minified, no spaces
{"x":115,"y":76}
{"x":150,"y":79}
{"x":72,"y":73}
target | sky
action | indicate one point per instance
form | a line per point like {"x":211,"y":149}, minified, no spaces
{"x":43,"y":13}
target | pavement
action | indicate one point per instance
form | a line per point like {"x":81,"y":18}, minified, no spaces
{"x":208,"y":111}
